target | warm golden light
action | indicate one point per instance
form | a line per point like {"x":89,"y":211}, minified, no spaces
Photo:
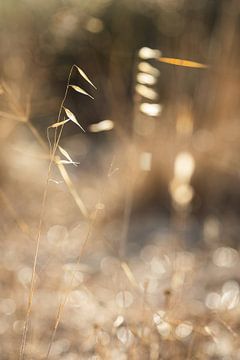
{"x":146,"y":53}
{"x":145,"y":67}
{"x":151,"y":109}
{"x":146,"y":79}
{"x":146,"y":92}
{"x":104,"y":125}
{"x":184,"y":166}
{"x":182,"y":194}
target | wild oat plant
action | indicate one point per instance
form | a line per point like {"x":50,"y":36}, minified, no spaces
{"x":76,"y":281}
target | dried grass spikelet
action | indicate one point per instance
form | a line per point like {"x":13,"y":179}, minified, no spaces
{"x":82,"y":73}
{"x":60,"y":123}
{"x":73,"y":118}
{"x":67,"y":156}
{"x":81,"y":91}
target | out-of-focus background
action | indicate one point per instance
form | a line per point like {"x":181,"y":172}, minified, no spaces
{"x":137,"y":220}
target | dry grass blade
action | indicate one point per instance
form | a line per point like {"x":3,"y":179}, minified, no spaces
{"x":81,"y":91}
{"x":33,"y":277}
{"x":82,"y":73}
{"x":67,"y":162}
{"x":72,"y":190}
{"x":35,"y":261}
{"x":67,"y":156}
{"x":65,"y":153}
{"x":181,"y":62}
{"x":73,"y":118}
{"x":60,"y":123}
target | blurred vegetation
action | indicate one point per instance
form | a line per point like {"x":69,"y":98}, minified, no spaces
{"x":120,"y":241}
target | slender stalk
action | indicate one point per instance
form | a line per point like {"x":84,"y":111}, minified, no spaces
{"x":67,"y":292}
{"x":33,"y":278}
{"x":42,"y":211}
